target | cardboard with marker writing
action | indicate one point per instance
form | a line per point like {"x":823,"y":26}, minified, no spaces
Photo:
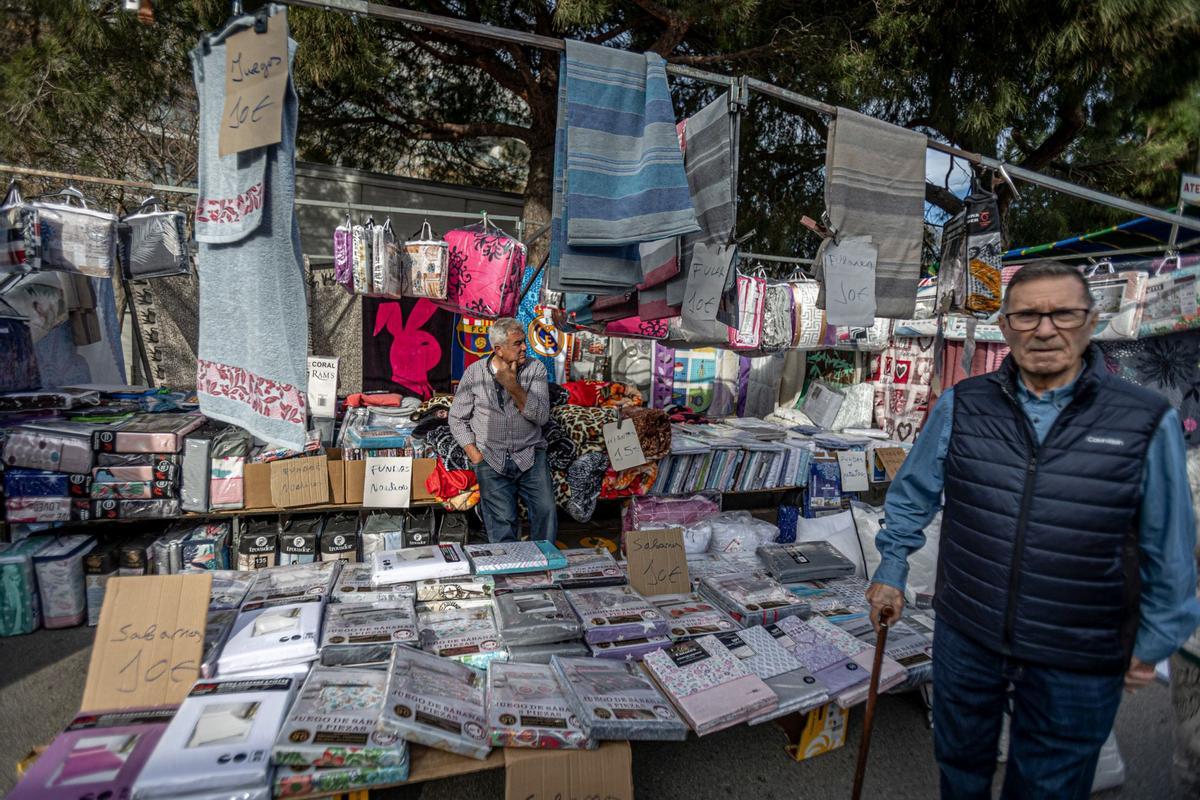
{"x":149,"y":641}
{"x":657,"y":562}
{"x":256,"y":78}
{"x":300,"y":481}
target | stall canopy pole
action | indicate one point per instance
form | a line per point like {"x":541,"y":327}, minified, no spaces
{"x":494,"y":32}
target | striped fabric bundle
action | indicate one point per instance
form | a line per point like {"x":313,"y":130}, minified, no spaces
{"x":618,"y":170}
{"x":875,"y":186}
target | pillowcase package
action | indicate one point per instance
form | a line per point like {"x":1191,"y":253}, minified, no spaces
{"x":334,"y":722}
{"x":617,"y":613}
{"x":75,"y":238}
{"x":752,"y":599}
{"x":270,"y":636}
{"x":526,"y":707}
{"x":526,"y":581}
{"x":289,"y":584}
{"x":510,"y":557}
{"x":804,"y":561}
{"x":629,"y":649}
{"x":153,"y":242}
{"x":20,"y":605}
{"x":832,"y":667}
{"x":542,"y":653}
{"x":217,"y":626}
{"x":58,"y":446}
{"x":474,"y":587}
{"x":392,"y":621}
{"x":354,"y":585}
{"x":587,"y":567}
{"x":468,"y":635}
{"x":307,"y":781}
{"x":891,"y":674}
{"x":436,"y":702}
{"x":61,"y":588}
{"x":135,"y":509}
{"x":98,"y":755}
{"x":298,"y":540}
{"x":692,"y":615}
{"x":220,"y":739}
{"x":617,"y":700}
{"x":148,"y":433}
{"x":708,"y":684}
{"x":227,"y":469}
{"x":798,"y":691}
{"x":419,"y":563}
{"x":537,"y":617}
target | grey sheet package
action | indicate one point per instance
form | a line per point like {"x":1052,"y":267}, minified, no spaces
{"x":588,"y":566}
{"x":528,"y":708}
{"x":354,"y":586}
{"x":288,"y":584}
{"x":334,"y":721}
{"x":542,"y":653}
{"x":436,"y":702}
{"x":229,"y":588}
{"x":693,"y":615}
{"x":197,"y":447}
{"x":367,"y":656}
{"x":804,"y":561}
{"x":752,"y":599}
{"x":536,"y":617}
{"x":617,"y":700}
{"x":467,"y":635}
{"x":392,"y":621}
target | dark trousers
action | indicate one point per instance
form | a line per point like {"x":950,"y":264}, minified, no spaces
{"x":498,"y":493}
{"x":1060,"y":720}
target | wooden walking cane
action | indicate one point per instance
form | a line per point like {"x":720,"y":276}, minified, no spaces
{"x":864,"y":744}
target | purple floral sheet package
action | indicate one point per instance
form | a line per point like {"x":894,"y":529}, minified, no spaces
{"x":616,"y":613}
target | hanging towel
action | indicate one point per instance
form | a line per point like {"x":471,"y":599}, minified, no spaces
{"x":875,"y":186}
{"x":252,"y":368}
{"x":618,"y":178}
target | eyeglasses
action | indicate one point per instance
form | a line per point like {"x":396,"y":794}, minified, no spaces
{"x":1063,"y":318}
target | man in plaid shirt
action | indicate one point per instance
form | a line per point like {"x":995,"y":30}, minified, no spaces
{"x":499,"y":409}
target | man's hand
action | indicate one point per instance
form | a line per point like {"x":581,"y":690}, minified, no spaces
{"x":882,"y":596}
{"x":473,"y":453}
{"x":1140,"y":675}
{"x":506,"y":375}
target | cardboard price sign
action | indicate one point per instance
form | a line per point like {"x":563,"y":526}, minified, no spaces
{"x":300,"y":481}
{"x":705,"y":282}
{"x":891,"y":459}
{"x":657,"y":562}
{"x":388,"y":482}
{"x":256,"y":77}
{"x":624,"y":449}
{"x":148,"y":643}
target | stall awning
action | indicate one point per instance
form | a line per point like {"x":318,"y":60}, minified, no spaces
{"x":1136,"y":237}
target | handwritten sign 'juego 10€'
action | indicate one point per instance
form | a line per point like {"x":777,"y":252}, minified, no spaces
{"x":657,"y":561}
{"x":256,"y":76}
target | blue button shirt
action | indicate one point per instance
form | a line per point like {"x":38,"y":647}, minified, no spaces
{"x":1170,"y":609}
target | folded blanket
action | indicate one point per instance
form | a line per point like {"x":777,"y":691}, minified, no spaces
{"x":875,"y":186}
{"x":618,"y":171}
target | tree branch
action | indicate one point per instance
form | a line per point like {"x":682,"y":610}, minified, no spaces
{"x":470,"y":130}
{"x":721,"y":58}
{"x":1071,"y":120}
{"x":942,"y":198}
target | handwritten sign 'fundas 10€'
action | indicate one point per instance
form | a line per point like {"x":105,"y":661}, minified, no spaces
{"x":256,"y":78}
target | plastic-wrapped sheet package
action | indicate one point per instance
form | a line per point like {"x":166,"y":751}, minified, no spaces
{"x":59,"y":570}
{"x":217,"y":720}
{"x":334,"y":722}
{"x":710,"y":685}
{"x":739,"y":530}
{"x":271,"y":636}
{"x":20,"y":606}
{"x":835,"y":670}
{"x":45,"y":509}
{"x":99,"y":565}
{"x":651,"y":512}
{"x":906,"y":645}
{"x":197,"y":445}
{"x":837,"y":599}
{"x":617,"y":700}
{"x":288,"y":584}
{"x":629,"y":649}
{"x":44,"y":483}
{"x":891,"y":674}
{"x":537,"y":617}
{"x":468,"y":635}
{"x":708,"y":564}
{"x":436,"y":702}
{"x":98,"y":755}
{"x":470,"y":587}
{"x":438,"y":606}
{"x":527,"y":707}
{"x":298,"y":539}
{"x":804,"y":561}
{"x":135,"y":509}
{"x":58,"y":446}
{"x":303,"y":781}
{"x":524,"y":582}
{"x":795,"y":686}
{"x":392,"y":621}
{"x":542,"y":653}
{"x":616,"y":613}
{"x":217,"y":627}
{"x":753,"y":598}
{"x":229,"y":588}
{"x":354,"y":585}
{"x":148,"y":433}
{"x":692,"y":615}
{"x":381,"y":530}
{"x":419,"y":563}
{"x":364,"y":656}
{"x":168,"y":550}
{"x":586,"y":567}
{"x":503,"y":558}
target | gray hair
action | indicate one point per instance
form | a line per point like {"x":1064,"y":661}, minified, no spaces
{"x":504,"y":328}
{"x":1044,"y":268}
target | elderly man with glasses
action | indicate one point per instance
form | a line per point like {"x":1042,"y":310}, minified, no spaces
{"x":1065,"y":566}
{"x":500,"y":408}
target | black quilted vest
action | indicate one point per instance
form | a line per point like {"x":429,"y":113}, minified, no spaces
{"x":1039,"y":546}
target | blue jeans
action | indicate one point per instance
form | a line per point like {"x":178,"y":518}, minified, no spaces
{"x":1060,"y":719}
{"x":498,"y":492}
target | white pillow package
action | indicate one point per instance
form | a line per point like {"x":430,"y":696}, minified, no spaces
{"x":734,"y":531}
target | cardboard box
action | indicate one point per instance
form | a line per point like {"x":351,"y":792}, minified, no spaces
{"x":345,"y":478}
{"x":422,"y":469}
{"x":300,"y":482}
{"x":149,"y":642}
{"x":256,"y":486}
{"x":549,"y":774}
{"x":431,"y":764}
{"x":819,"y":731}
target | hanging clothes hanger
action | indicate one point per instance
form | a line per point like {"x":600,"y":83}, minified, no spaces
{"x":236,"y":19}
{"x":69,"y":192}
{"x":1096,"y":265}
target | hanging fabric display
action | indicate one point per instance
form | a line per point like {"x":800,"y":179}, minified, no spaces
{"x":1172,"y":302}
{"x":1170,"y":365}
{"x":75,"y":237}
{"x":361,"y":255}
{"x":809,"y":321}
{"x":153,"y":242}
{"x":1120,"y":301}
{"x":969,"y":278}
{"x":252,"y":368}
{"x":426,"y":261}
{"x":752,"y":295}
{"x":406,"y":346}
{"x":485,"y":267}
{"x":343,"y":255}
{"x":470,"y":343}
{"x":386,"y":278}
{"x":20,"y":233}
{"x":779,"y":318}
{"x":903,"y":377}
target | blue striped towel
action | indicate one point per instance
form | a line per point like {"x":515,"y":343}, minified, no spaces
{"x":618,"y":171}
